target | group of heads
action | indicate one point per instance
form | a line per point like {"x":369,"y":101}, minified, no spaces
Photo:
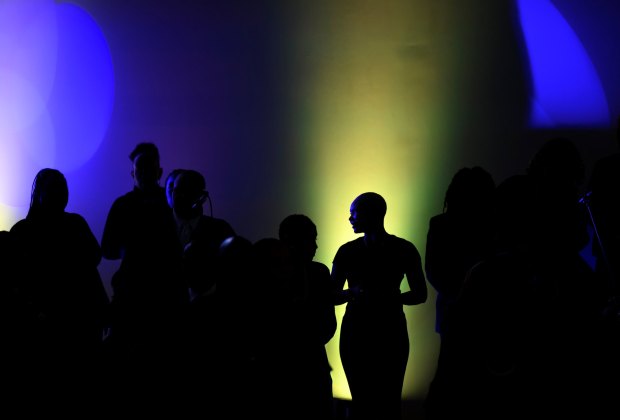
{"x":185,"y":188}
{"x":186,"y":192}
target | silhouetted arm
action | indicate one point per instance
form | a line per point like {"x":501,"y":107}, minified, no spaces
{"x":418,"y":291}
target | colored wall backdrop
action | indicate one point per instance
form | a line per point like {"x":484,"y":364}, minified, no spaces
{"x":298,"y":107}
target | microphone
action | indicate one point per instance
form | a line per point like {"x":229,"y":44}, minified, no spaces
{"x":585,"y":199}
{"x":201,"y":200}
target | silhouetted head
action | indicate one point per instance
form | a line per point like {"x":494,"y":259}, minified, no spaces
{"x":558,"y":160}
{"x":235,"y":247}
{"x":367,"y":212}
{"x":50,"y":193}
{"x":146,"y":170}
{"x":299,"y":233}
{"x":170,"y":184}
{"x":235,"y":262}
{"x":470,"y":189}
{"x":188,"y":194}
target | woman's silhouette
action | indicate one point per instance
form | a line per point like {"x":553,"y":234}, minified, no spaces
{"x":374,"y":344}
{"x":58,"y":259}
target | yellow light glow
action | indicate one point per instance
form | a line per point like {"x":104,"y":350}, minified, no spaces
{"x":367,"y":99}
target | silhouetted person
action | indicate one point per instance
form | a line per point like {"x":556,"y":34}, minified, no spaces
{"x":457,"y":239}
{"x":200,"y":235}
{"x":603,"y":201}
{"x":271,"y":329}
{"x":58,"y":257}
{"x":149,"y":297}
{"x":497,"y":331}
{"x":221,"y":338}
{"x":311,"y":315}
{"x":526,"y":322}
{"x":374,"y":343}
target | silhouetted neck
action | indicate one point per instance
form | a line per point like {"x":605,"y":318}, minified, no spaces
{"x":376,"y":237}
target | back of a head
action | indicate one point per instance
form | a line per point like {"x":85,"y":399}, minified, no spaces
{"x":50,"y":192}
{"x":235,"y":247}
{"x":558,"y":160}
{"x":296,"y":227}
{"x":470,"y":189}
{"x":299,"y":233}
{"x":235,"y":264}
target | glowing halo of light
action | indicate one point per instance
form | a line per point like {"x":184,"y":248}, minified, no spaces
{"x":26,"y":136}
{"x":81,"y":106}
{"x":28,"y":41}
{"x":57,"y":84}
{"x":567,"y":90}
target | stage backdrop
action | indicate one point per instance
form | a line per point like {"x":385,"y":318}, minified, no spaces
{"x":299,"y":106}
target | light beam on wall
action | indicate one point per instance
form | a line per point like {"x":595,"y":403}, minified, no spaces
{"x":365,"y":100}
{"x":567,"y":91}
{"x":56,"y":94}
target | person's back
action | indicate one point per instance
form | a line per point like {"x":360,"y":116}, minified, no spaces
{"x":312,"y":318}
{"x":460,"y":236}
{"x":457,"y":239}
{"x":58,"y":256}
{"x":61,"y":257}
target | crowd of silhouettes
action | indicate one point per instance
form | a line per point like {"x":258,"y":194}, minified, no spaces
{"x":525,"y":331}
{"x":203,"y":321}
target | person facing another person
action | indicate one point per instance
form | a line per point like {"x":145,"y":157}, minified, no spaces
{"x":312,"y":319}
{"x":374,"y":342}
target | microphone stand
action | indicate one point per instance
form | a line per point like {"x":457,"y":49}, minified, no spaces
{"x":614,"y":301}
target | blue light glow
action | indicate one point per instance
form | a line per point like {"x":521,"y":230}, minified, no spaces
{"x":567,"y":91}
{"x":57,"y":89}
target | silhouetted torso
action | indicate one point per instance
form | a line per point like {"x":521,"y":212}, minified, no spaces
{"x":374,"y":342}
{"x":57,"y":256}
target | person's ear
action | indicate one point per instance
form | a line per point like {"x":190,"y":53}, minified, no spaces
{"x":160,"y":172}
